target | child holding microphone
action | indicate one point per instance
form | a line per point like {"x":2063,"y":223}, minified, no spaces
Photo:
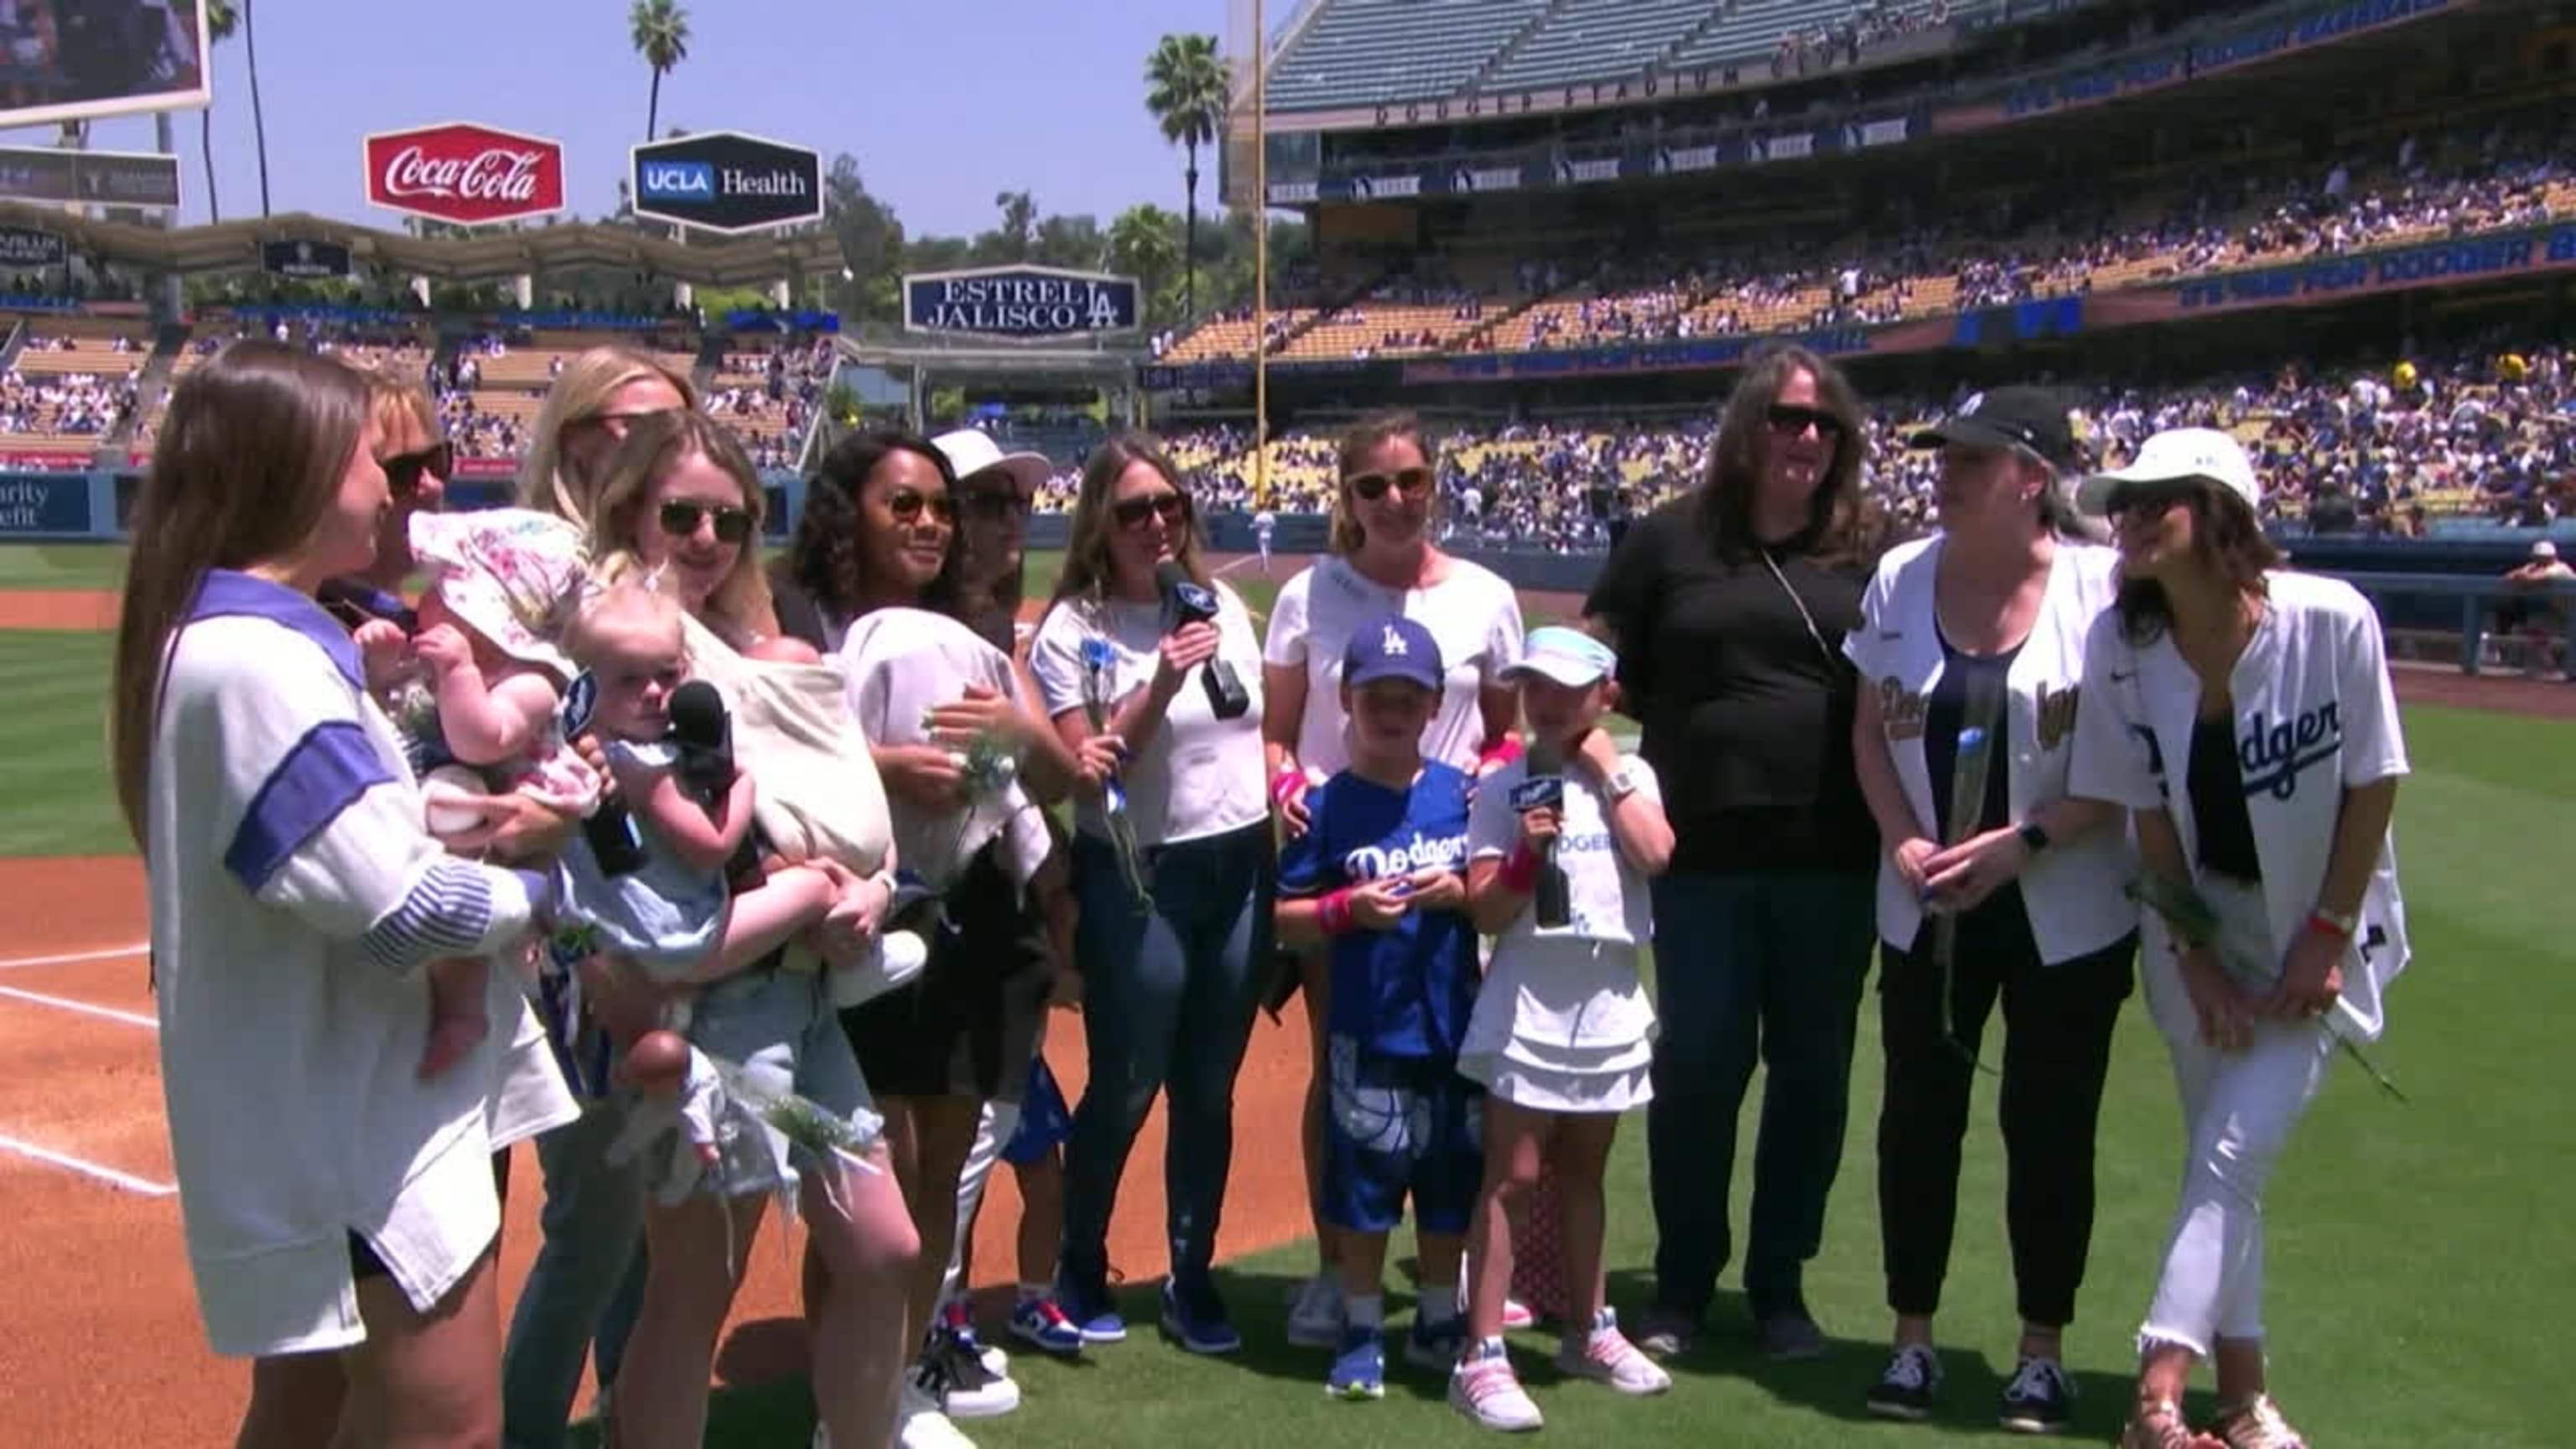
{"x":1561,"y":844}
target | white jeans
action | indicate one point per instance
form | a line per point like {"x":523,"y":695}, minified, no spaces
{"x":1000,"y":1123}
{"x":2237,"y":1111}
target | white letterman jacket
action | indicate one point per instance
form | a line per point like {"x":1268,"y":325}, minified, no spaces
{"x":2315,"y":714}
{"x":2074,"y":891}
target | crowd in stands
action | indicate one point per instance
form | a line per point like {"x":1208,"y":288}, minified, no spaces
{"x":63,"y":403}
{"x":2486,"y":433}
{"x":1992,"y":251}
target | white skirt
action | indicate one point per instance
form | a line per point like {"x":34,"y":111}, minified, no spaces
{"x":1546,"y":1078}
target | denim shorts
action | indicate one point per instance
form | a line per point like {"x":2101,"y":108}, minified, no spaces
{"x":779,"y":1028}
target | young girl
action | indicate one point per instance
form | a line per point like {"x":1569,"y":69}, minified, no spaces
{"x":477,"y":694}
{"x":1563,"y":1032}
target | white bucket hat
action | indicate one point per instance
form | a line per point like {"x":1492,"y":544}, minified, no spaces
{"x":2176,"y":455}
{"x":970,"y":452}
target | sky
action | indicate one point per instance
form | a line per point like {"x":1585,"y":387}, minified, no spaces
{"x":943,"y":102}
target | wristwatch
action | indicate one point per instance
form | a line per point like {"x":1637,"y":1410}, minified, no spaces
{"x":2032,"y":835}
{"x":1620,"y":785}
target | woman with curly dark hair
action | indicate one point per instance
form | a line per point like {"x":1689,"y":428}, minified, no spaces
{"x":1729,"y":607}
{"x":873,"y":577}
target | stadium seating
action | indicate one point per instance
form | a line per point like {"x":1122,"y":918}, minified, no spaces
{"x":1585,"y":40}
{"x":1368,"y":52}
{"x":71,"y":383}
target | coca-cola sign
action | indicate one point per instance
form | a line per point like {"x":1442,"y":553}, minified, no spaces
{"x":470,"y":175}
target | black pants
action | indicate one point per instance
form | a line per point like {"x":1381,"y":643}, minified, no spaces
{"x":2057,"y":1050}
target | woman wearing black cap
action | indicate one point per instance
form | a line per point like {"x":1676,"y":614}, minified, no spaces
{"x":1970,"y":655}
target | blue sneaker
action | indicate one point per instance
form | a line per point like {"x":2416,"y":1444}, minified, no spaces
{"x":1359,"y":1371}
{"x":1198,"y":1320}
{"x":1040,"y":1322}
{"x":1092,"y":1313}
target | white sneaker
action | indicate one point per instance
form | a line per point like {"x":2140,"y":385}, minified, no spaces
{"x":1315,"y":1320}
{"x":918,"y":1423}
{"x":1483,"y":1387}
{"x":1605,"y":1356}
{"x":897,"y":959}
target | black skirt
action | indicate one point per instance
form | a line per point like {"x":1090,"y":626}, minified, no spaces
{"x":969,"y":1025}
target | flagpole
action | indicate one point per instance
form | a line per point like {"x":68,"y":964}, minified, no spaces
{"x":1260,"y":260}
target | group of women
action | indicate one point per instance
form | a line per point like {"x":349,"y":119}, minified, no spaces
{"x":1958,"y":741}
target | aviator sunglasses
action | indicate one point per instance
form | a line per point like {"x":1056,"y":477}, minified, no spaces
{"x":680,"y":519}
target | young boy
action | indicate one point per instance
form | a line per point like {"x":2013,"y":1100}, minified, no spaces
{"x":1378,"y":877}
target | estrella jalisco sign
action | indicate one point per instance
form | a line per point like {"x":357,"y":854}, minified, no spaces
{"x":1019,"y":304}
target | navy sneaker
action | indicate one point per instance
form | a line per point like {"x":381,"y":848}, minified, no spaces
{"x":1197,"y":1319}
{"x":1039,"y":1321}
{"x":1436,"y":1344}
{"x":1094,"y":1315}
{"x":1359,"y":1370}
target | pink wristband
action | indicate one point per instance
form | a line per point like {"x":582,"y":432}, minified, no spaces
{"x":1334,"y":913}
{"x":1520,"y":871}
{"x":1285,"y":785}
{"x":1499,"y":755}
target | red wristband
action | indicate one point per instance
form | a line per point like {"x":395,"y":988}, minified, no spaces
{"x":2320,"y":923}
{"x":1498,"y":755}
{"x":1333,"y":912}
{"x":1520,"y":870}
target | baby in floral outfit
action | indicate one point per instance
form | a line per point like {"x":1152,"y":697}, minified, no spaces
{"x":478,"y":696}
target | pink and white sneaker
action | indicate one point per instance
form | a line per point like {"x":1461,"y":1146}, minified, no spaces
{"x":1605,"y":1356}
{"x":1484,"y":1388}
{"x":1517,"y":1316}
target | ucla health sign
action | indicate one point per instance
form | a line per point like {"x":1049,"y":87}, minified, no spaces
{"x":1019,"y":304}
{"x":726,"y":181}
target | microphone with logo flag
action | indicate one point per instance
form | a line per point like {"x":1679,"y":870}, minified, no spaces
{"x":1544,"y":788}
{"x":610,"y":829}
{"x":1186,"y":601}
{"x":702,"y":732}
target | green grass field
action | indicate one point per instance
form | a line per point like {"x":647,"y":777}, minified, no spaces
{"x":2417,"y":1252}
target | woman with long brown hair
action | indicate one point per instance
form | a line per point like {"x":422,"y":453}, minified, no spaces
{"x":1383,"y":562}
{"x":2244,"y":715}
{"x":1729,"y":606}
{"x":1174,"y":930}
{"x":337,"y":1202}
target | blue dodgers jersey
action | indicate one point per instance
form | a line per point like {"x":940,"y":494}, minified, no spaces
{"x":1405,"y":992}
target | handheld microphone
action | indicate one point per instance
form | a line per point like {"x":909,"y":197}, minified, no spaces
{"x":610,"y":828}
{"x":1544,"y":786}
{"x":1185,"y":601}
{"x":702,"y":731}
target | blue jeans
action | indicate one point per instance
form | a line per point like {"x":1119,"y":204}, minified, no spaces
{"x":585,"y":1283}
{"x":1169,"y":995}
{"x":1748,"y":967}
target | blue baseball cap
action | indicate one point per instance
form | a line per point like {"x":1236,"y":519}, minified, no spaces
{"x":1393,"y":647}
{"x":1568,"y":656}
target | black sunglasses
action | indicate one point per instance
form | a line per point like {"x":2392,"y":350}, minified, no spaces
{"x":994,"y":504}
{"x":680,"y":519}
{"x":1373,"y":486}
{"x":1791,"y":419}
{"x":2149,"y":500}
{"x":907,"y":506}
{"x":1174,"y":508}
{"x":403,"y":471}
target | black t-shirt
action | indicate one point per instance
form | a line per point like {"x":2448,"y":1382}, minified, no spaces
{"x":1944,"y":714}
{"x":1747,"y":714}
{"x":2219,"y":816}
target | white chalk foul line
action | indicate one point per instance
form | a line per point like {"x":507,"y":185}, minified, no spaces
{"x":109,"y":1175}
{"x":65,"y":1003}
{"x":73,"y":958}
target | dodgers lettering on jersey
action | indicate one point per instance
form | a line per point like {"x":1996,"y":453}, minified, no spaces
{"x":2273,"y":754}
{"x":1408,"y":991}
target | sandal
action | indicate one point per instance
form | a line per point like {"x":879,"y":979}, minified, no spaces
{"x":2160,"y":1425}
{"x":2258,"y":1424}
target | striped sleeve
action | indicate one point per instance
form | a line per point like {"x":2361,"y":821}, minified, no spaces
{"x":449,"y":911}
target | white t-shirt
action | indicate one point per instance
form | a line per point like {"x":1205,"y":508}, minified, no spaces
{"x":1472,"y":613}
{"x":1576,"y":986}
{"x":1198,"y":775}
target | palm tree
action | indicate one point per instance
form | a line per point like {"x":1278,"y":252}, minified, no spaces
{"x":1141,"y":245}
{"x":660,"y":29}
{"x":221,"y":22}
{"x":258,"y":114}
{"x":1186,"y":92}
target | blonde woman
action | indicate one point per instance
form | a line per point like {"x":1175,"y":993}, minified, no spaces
{"x":1383,"y":562}
{"x":593,"y":1221}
